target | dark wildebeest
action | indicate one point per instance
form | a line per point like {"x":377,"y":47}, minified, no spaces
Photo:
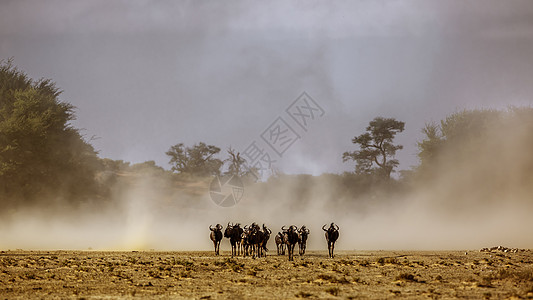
{"x":292,"y":239}
{"x":240,"y":231}
{"x":216,"y":237}
{"x":332,"y":234}
{"x":256,"y":238}
{"x":233,"y":236}
{"x":303,"y":233}
{"x":266,"y":236}
{"x":280,"y":243}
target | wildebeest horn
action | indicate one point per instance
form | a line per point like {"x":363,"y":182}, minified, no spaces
{"x":336,"y":226}
{"x":269,"y":231}
{"x":219,"y":226}
{"x":324,"y":226}
{"x":283,"y":228}
{"x":245,"y":226}
{"x":210,"y":227}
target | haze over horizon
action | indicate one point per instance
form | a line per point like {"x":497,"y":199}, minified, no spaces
{"x":146,"y":76}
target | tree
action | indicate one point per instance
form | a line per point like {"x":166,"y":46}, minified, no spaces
{"x":42,"y":157}
{"x":429,"y":147}
{"x":466,"y":130}
{"x":376,"y":148}
{"x":236,"y":163}
{"x":196,"y":160}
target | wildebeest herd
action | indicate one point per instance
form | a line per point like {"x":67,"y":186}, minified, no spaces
{"x":251,"y":240}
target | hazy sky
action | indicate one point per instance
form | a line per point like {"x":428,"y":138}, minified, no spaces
{"x":147,"y":75}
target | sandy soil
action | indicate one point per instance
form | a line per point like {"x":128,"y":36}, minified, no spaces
{"x":201,"y":275}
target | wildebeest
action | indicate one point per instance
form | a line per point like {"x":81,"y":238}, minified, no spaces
{"x":280,"y":243}
{"x":292,"y":239}
{"x":332,"y":234}
{"x":245,"y":241}
{"x":303,"y":233}
{"x":256,"y":238}
{"x":266,"y":236}
{"x":234,"y":236}
{"x":240,"y":231}
{"x":216,"y":237}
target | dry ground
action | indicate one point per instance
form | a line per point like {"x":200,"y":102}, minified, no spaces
{"x":201,"y":275}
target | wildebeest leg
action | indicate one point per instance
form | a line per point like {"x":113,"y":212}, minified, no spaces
{"x":290,"y":249}
{"x":332,"y":249}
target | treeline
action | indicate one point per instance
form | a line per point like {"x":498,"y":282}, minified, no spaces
{"x":478,"y":156}
{"x":475,"y":154}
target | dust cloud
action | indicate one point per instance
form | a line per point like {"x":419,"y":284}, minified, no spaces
{"x":477,"y":192}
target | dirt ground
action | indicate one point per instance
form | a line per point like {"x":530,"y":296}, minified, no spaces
{"x":201,"y":275}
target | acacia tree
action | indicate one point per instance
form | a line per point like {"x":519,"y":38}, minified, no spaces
{"x":376,"y":150}
{"x":236,"y":163}
{"x":196,"y":160}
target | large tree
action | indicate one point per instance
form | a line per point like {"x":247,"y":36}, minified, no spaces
{"x":196,"y":160}
{"x":42,"y":156}
{"x":376,"y":149}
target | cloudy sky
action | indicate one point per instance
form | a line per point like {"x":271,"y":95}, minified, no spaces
{"x":147,"y":75}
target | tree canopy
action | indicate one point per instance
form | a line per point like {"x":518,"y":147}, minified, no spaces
{"x":376,"y":153}
{"x":196,"y":160}
{"x":42,"y":155}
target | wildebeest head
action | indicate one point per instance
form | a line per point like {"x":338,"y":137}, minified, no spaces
{"x":304,"y":229}
{"x":332,"y":227}
{"x":238,"y":229}
{"x":292,"y":234}
{"x":229,"y":231}
{"x":266,"y":230}
{"x":218,"y":227}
